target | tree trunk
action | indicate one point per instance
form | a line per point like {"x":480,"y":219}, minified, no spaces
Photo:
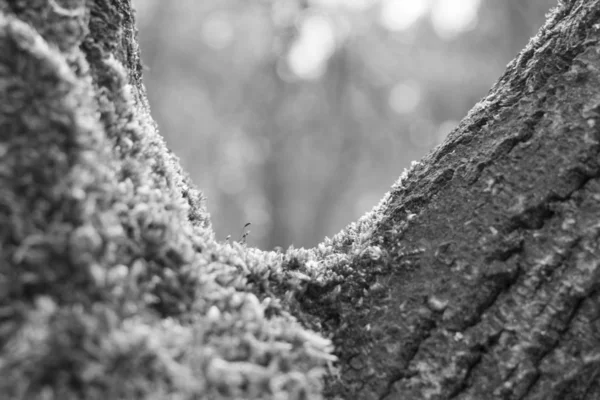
{"x":476,"y":277}
{"x":487,"y":286}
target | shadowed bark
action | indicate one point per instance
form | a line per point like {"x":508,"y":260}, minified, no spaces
{"x":476,"y":277}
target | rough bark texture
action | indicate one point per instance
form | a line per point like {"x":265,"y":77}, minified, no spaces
{"x":500,"y":297}
{"x":476,"y":277}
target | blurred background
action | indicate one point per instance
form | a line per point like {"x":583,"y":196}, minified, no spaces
{"x":298,"y":115}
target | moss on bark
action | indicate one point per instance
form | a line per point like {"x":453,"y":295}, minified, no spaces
{"x":112,"y":285}
{"x":477,"y":276}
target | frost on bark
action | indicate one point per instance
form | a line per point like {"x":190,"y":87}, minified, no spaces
{"x":476,"y":277}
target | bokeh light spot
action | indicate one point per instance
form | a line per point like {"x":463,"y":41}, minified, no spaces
{"x":453,"y":17}
{"x":308,"y":56}
{"x":356,"y":5}
{"x":405,"y":97}
{"x":398,"y":15}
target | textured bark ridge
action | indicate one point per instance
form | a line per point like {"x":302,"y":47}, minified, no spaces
{"x":488,"y":282}
{"x":476,"y":277}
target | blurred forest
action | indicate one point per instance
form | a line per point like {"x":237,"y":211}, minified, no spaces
{"x":297,"y":116}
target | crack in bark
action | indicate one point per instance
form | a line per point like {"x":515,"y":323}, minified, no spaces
{"x":506,"y":288}
{"x":455,"y":393}
{"x":538,"y":360}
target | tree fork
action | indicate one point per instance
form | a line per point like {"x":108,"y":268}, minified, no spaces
{"x":479,"y":279}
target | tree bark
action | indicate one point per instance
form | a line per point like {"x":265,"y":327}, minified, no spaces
{"x":476,"y":277}
{"x":487,"y":286}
